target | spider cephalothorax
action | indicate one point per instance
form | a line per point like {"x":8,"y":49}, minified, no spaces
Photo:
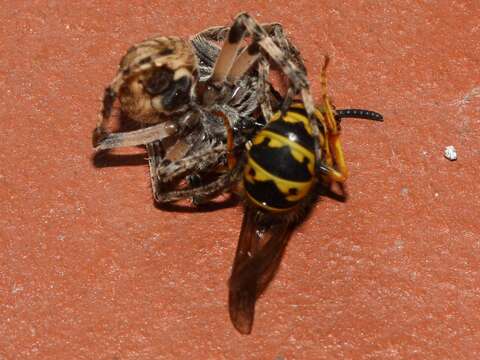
{"x":165,"y":87}
{"x":155,"y":79}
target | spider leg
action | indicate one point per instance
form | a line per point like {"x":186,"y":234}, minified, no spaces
{"x":232,"y":67}
{"x":189,"y":164}
{"x":137,"y":137}
{"x":214,"y":33}
{"x":155,"y":156}
{"x":297,"y":77}
{"x":161,"y":155}
{"x":263,"y":90}
{"x":100,"y":132}
{"x":207,"y":49}
{"x":202,"y":192}
{"x":229,"y":51}
{"x":228,"y":63}
{"x":244,"y":23}
{"x":204,"y":160}
{"x":249,"y":55}
{"x":207,"y":191}
{"x":244,"y":61}
{"x":275,"y":30}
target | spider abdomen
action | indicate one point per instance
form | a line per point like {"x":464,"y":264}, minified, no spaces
{"x":280,"y":163}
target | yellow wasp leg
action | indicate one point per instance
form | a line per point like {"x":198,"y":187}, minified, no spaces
{"x":340,"y":173}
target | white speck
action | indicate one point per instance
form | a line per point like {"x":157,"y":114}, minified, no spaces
{"x":436,"y":194}
{"x":399,"y":244}
{"x":16,"y":288}
{"x":450,"y":153}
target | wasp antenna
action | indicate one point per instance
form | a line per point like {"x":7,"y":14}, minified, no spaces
{"x":359,"y":114}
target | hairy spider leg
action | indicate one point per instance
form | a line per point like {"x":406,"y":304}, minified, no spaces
{"x":190,"y":163}
{"x":297,"y":77}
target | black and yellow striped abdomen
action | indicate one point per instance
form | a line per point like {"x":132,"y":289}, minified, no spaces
{"x":280,"y":166}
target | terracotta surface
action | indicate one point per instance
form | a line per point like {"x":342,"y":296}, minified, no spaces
{"x":90,"y":269}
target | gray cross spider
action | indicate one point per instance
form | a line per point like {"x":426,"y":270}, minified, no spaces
{"x":192,"y":96}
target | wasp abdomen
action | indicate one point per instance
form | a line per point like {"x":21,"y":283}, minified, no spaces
{"x":280,"y":166}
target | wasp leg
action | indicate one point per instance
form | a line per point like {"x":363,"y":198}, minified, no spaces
{"x":331,"y":173}
{"x":334,"y":147}
{"x":231,"y":160}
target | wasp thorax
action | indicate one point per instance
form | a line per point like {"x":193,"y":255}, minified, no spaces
{"x":158,"y":77}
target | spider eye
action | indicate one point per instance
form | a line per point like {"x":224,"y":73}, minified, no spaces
{"x":159,"y":81}
{"x":178,"y":94}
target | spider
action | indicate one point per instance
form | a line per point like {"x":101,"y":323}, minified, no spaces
{"x":187,"y":92}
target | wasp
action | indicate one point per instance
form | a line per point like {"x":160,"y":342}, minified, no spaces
{"x":278,"y":176}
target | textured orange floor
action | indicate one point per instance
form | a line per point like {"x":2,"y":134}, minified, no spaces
{"x":90,"y":269}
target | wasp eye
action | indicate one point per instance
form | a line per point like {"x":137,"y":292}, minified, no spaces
{"x":159,"y":81}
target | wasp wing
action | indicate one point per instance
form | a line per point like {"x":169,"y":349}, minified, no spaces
{"x":259,"y":252}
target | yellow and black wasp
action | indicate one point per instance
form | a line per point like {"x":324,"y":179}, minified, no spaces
{"x":279,"y":174}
